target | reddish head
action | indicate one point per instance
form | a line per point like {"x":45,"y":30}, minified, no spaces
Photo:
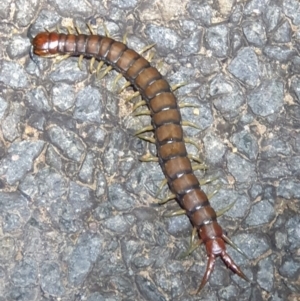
{"x":45,"y":44}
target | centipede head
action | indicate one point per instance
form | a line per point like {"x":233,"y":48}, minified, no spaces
{"x":45,"y":44}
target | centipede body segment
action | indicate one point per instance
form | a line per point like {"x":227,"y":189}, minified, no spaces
{"x":167,"y":125}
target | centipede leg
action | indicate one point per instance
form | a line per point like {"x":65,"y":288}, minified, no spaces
{"x":199,"y":167}
{"x":106,"y":71}
{"x":148,"y":158}
{"x":133,"y":95}
{"x":193,"y":246}
{"x":80,"y":62}
{"x":161,"y":186}
{"x":146,"y":138}
{"x":175,"y":213}
{"x":177,"y":86}
{"x":191,"y":141}
{"x":191,"y":124}
{"x":98,"y":69}
{"x":233,"y":245}
{"x":117,"y":78}
{"x":146,"y":48}
{"x":167,"y":199}
{"x":143,"y":130}
{"x":224,"y":210}
{"x":187,"y":105}
{"x":92,"y":62}
{"x":126,"y":85}
{"x":90,"y":28}
{"x":194,"y":158}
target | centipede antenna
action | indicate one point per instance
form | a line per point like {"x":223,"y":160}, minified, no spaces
{"x":32,"y":56}
{"x":233,"y":245}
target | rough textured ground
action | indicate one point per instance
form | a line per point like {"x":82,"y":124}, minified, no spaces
{"x":77,"y":213}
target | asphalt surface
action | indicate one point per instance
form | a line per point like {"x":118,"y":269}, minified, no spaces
{"x":78,"y":212}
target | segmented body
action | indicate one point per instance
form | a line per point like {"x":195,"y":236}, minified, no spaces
{"x":166,"y":121}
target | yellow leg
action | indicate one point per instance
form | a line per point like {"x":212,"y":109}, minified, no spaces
{"x":117,"y":78}
{"x":167,"y":199}
{"x":193,"y":246}
{"x":191,"y":124}
{"x":148,"y":158}
{"x":80,"y":62}
{"x":99,"y":68}
{"x":161,"y":186}
{"x":107,"y":70}
{"x":146,"y":138}
{"x":126,"y":85}
{"x":92,"y":62}
{"x":191,"y":141}
{"x":187,"y":105}
{"x":177,"y":86}
{"x":146,"y":48}
{"x":175,"y":213}
{"x":139,"y":104}
{"x":133,"y":95}
{"x":143,"y":130}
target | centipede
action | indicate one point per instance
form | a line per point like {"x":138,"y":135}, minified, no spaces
{"x":167,"y":126}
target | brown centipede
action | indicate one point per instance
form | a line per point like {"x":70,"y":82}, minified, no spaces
{"x":167,"y":127}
